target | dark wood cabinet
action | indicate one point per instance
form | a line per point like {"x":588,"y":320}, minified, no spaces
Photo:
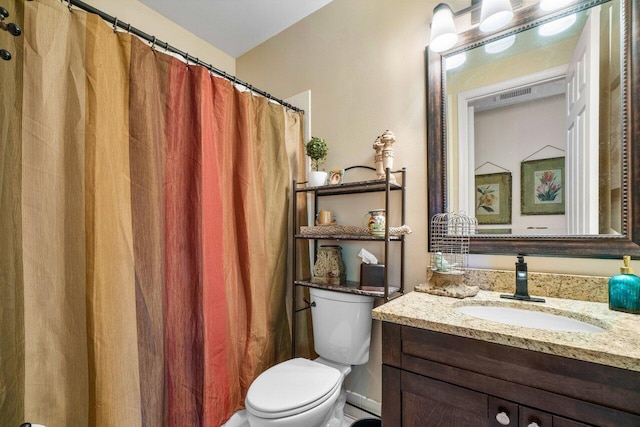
{"x":563,"y":422}
{"x":503,"y":413}
{"x":429,"y":402}
{"x":435,"y":379}
{"x":534,"y":417}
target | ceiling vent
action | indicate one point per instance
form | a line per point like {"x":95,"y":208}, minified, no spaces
{"x":518,"y":95}
{"x":515,"y":93}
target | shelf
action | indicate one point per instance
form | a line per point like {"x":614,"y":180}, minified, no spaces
{"x":350,"y":188}
{"x":351,"y":288}
{"x":349,"y":233}
{"x":347,"y":237}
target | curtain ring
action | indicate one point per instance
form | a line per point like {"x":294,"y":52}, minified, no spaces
{"x":153,"y":43}
{"x":69,"y":5}
{"x":129,"y":28}
{"x":115,"y":25}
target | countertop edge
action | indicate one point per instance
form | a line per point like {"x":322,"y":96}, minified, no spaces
{"x":579,"y":350}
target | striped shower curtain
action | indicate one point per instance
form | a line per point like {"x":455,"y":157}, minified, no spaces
{"x":143,"y":230}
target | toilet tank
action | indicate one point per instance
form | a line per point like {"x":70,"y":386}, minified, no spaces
{"x":341,"y":326}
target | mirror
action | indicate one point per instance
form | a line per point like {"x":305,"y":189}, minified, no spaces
{"x":503,"y":144}
{"x":507,"y":120}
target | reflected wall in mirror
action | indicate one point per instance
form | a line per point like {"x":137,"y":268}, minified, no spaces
{"x":553,"y":109}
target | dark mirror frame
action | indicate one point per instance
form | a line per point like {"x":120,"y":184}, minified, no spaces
{"x":590,"y":246}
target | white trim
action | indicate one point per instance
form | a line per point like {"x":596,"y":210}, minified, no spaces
{"x":512,"y":84}
{"x":364,"y":402}
{"x":302,"y":100}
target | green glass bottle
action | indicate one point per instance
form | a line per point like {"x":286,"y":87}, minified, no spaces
{"x":624,"y":289}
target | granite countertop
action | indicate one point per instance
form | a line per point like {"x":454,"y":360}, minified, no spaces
{"x":618,"y":345}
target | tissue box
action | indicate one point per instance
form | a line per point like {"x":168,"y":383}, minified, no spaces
{"x":372,"y":277}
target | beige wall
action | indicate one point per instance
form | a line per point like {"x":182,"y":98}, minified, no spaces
{"x":151,"y":22}
{"x":363,"y":61}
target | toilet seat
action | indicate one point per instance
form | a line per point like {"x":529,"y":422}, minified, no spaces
{"x":292,"y":387}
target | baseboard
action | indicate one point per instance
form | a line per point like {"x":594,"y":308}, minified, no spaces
{"x":360,"y":406}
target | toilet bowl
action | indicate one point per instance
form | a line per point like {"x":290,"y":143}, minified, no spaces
{"x":298,"y":392}
{"x":302,"y":392}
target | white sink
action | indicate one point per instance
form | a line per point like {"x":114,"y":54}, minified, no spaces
{"x":528,"y":318}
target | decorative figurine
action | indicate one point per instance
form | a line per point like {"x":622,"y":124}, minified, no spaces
{"x":378,"y":146}
{"x":384,"y":154}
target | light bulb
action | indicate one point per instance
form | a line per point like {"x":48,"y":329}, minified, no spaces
{"x":500,"y":45}
{"x":443,"y":30}
{"x":495,"y":14}
{"x":455,"y":61}
{"x":557,"y":26}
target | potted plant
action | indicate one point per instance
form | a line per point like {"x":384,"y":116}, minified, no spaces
{"x":317,"y":150}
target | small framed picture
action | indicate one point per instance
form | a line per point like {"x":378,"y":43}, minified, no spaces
{"x":493,"y":198}
{"x":542,"y":187}
{"x":336,"y":176}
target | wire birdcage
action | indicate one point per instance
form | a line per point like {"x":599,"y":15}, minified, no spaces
{"x":450,"y":234}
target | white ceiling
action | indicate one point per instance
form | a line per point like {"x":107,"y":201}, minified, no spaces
{"x":235,"y":26}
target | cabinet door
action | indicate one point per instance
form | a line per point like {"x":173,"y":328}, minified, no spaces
{"x":433,"y":403}
{"x":530,"y":417}
{"x":503,"y":413}
{"x":563,"y":422}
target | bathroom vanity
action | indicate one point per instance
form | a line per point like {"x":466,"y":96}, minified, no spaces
{"x":444,"y":368}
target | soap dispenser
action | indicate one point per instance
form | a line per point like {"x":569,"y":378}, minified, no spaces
{"x":624,"y":289}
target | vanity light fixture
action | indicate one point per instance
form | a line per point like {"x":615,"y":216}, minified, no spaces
{"x":556,"y":27}
{"x":494,"y":15}
{"x":443,"y":30}
{"x":500,"y":45}
{"x":551,"y":5}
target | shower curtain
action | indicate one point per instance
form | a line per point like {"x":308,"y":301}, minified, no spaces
{"x":143,"y":230}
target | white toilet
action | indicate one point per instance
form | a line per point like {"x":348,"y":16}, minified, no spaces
{"x":301,"y":392}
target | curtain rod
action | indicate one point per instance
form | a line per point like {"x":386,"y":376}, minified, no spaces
{"x":166,"y":46}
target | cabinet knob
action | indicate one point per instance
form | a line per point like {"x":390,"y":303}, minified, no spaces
{"x":503,"y":418}
{"x":533,"y":424}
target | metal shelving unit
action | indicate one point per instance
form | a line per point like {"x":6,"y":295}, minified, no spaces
{"x":371,"y":186}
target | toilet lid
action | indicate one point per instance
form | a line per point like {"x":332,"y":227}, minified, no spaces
{"x":292,"y":384}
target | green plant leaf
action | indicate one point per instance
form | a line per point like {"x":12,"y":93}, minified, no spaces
{"x":317,"y":150}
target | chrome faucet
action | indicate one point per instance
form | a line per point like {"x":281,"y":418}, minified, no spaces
{"x":522,"y":284}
